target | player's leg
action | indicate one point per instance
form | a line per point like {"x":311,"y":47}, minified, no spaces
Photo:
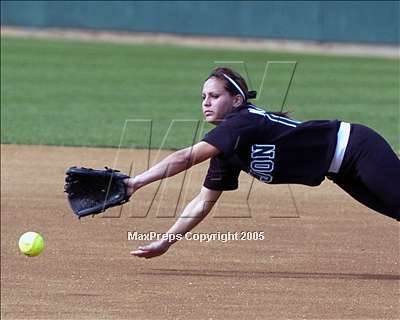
{"x":362,"y":194}
{"x":372,"y":172}
{"x":379,"y":169}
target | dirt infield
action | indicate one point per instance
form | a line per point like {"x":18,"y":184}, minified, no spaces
{"x":337,"y":260}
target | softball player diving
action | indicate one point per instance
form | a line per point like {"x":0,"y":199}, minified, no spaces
{"x":274,"y":149}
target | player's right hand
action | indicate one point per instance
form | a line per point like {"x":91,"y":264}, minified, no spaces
{"x":154,"y":249}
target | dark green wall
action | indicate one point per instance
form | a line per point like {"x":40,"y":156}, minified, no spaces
{"x":342,"y":21}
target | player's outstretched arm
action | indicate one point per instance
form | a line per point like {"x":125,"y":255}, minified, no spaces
{"x":173,"y":164}
{"x":192,"y":215}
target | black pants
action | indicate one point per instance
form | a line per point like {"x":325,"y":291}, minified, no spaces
{"x":370,"y":172}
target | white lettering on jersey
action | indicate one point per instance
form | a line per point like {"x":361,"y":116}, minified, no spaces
{"x":262,"y":163}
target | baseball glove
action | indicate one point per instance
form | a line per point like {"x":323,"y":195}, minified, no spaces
{"x":93,"y":191}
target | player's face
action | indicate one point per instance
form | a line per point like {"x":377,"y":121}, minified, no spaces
{"x":216,"y":100}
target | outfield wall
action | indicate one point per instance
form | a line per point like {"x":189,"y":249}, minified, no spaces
{"x":324,"y":21}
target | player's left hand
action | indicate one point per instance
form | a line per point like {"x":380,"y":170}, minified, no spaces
{"x":154,"y":249}
{"x":131,"y":186}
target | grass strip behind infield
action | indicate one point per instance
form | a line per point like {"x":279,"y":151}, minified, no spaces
{"x":81,"y":93}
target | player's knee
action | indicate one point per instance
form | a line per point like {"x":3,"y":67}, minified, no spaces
{"x":393,"y":212}
{"x":394,"y":204}
{"x":391,"y":200}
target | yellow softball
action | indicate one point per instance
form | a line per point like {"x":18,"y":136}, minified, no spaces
{"x":31,"y":243}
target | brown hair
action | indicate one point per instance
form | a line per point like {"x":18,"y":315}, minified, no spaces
{"x":223,"y":73}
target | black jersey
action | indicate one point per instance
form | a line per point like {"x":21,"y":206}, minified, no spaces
{"x":271,"y":148}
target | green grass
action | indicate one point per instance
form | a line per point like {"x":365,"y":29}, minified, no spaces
{"x":81,"y":94}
